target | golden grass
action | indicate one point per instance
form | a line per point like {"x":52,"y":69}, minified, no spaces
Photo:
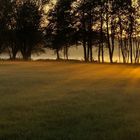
{"x":67,"y":100}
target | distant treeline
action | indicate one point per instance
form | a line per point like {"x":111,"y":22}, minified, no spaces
{"x":29,"y":26}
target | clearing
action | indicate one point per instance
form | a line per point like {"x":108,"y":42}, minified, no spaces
{"x":69,"y":101}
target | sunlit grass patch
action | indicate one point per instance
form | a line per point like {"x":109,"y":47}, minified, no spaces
{"x":76,"y":101}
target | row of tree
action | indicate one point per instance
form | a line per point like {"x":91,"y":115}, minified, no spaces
{"x":112,"y":25}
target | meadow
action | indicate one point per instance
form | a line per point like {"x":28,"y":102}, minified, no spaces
{"x":69,"y":101}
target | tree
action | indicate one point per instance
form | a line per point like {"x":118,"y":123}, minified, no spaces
{"x":28,"y":25}
{"x":5,"y":20}
{"x":59,"y":28}
{"x":86,"y":18}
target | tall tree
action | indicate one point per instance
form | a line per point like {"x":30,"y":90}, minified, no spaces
{"x":28,"y":25}
{"x":60,"y":27}
{"x":86,"y":19}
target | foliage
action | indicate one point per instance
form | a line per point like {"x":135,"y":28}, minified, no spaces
{"x":102,"y":24}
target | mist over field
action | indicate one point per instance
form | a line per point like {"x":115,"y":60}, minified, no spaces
{"x":75,"y":53}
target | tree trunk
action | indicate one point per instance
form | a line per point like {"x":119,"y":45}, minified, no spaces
{"x":85,"y":50}
{"x":57,"y":53}
{"x":108,"y":39}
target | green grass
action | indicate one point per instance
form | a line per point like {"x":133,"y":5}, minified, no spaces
{"x":69,"y":101}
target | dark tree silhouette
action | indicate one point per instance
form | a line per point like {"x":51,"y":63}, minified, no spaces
{"x":89,"y":13}
{"x":6,"y":10}
{"x":28,"y":25}
{"x":60,"y":29}
{"x":94,"y":24}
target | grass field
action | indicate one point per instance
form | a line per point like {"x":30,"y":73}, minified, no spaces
{"x":69,"y":101}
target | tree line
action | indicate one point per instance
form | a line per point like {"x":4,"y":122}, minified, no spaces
{"x":29,"y":26}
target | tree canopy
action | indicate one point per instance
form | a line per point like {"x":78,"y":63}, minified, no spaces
{"x":107,"y":26}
